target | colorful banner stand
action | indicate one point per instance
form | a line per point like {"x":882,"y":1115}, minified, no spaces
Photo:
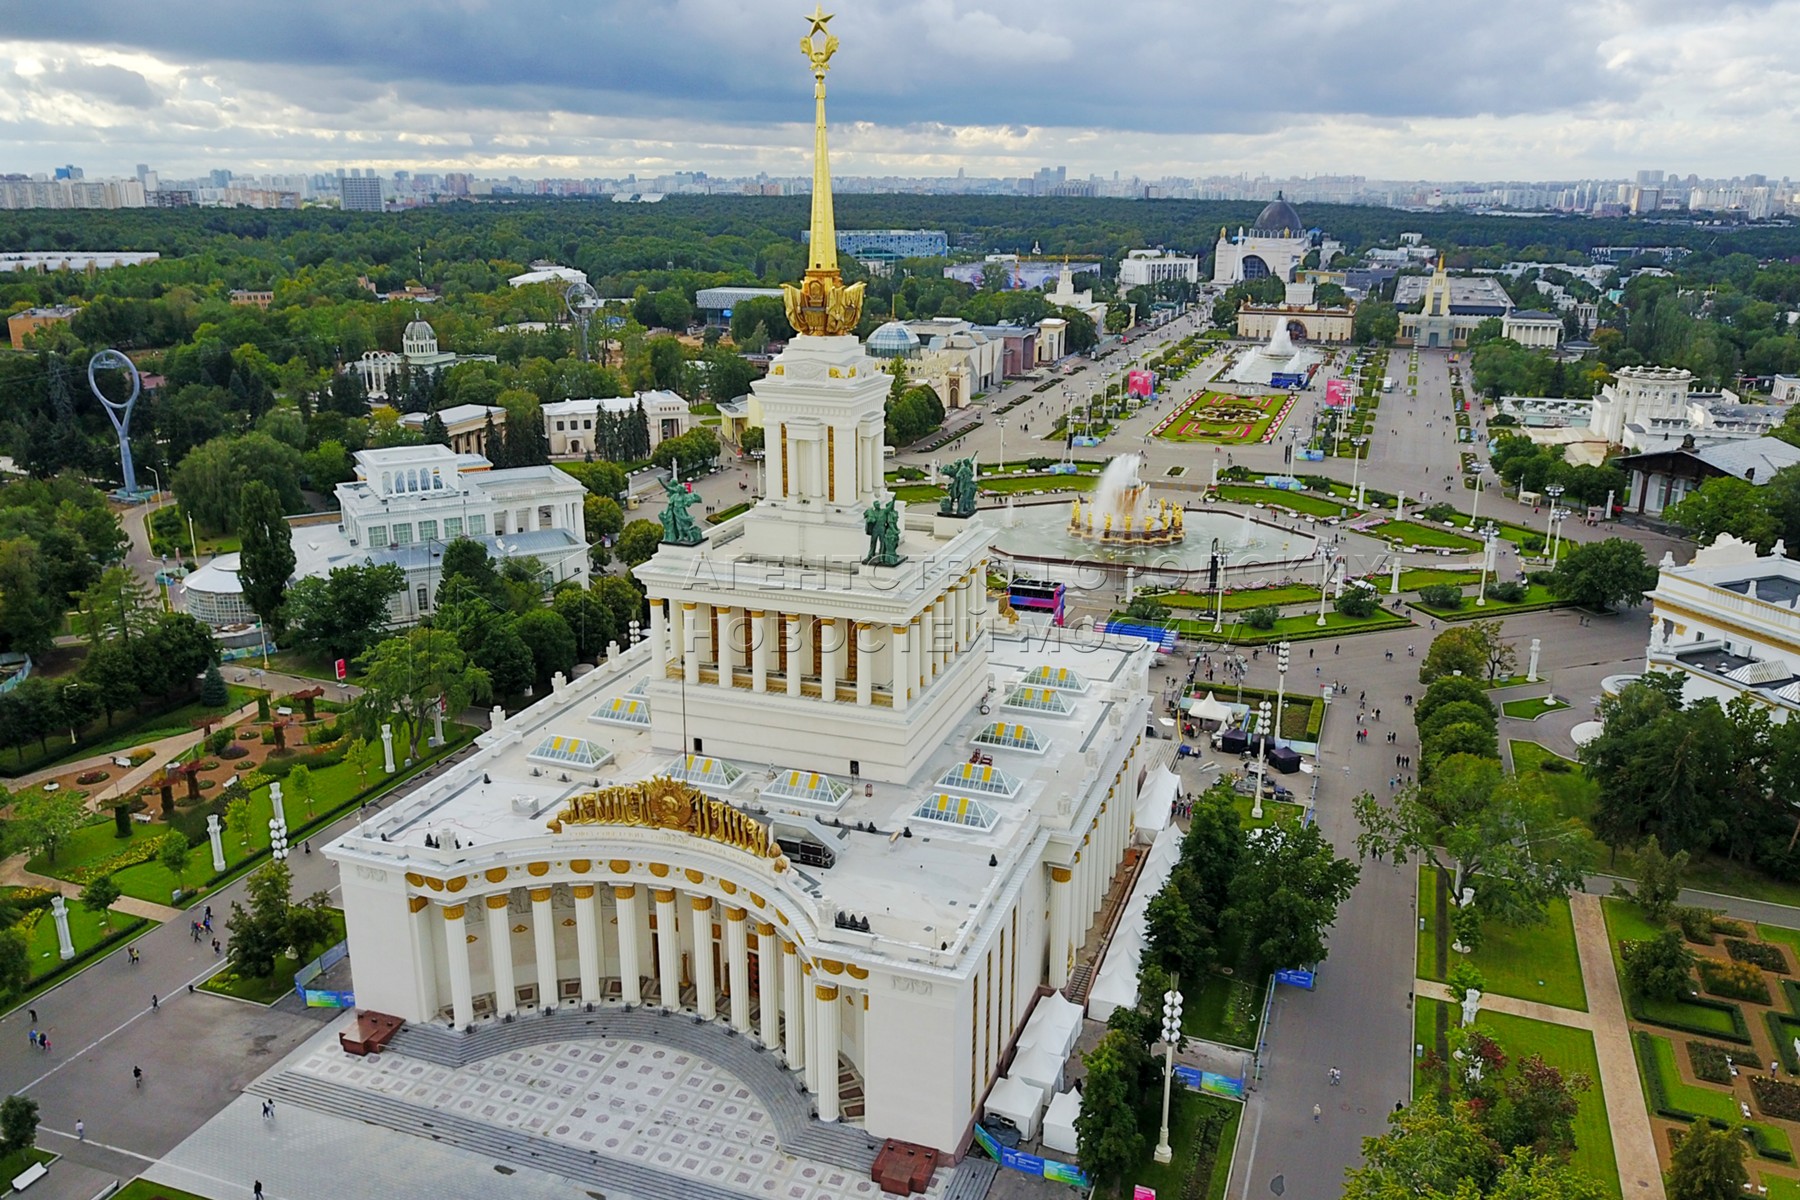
{"x":1211,"y":1082}
{"x":1031,"y":1164}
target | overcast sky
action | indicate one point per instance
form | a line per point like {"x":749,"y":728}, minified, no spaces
{"x":1427,"y":89}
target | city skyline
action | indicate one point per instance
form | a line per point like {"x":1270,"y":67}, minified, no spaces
{"x":1534,"y":91}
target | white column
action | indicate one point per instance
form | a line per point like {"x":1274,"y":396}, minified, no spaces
{"x":921,"y":653}
{"x":793,"y":1008}
{"x":828,"y":1051}
{"x":506,"y":989}
{"x":543,"y":933}
{"x":631,"y":965}
{"x":830,"y":646}
{"x":865,"y":673}
{"x":456,"y":944}
{"x":737,"y":968}
{"x":927,"y":657}
{"x":587,"y":942}
{"x":768,"y":967}
{"x":756,"y":628}
{"x":668,"y":950}
{"x":723,"y":652}
{"x":659,"y":641}
{"x":795,"y":669}
{"x":706,"y":992}
{"x":946,"y":632}
{"x":690,"y":643}
{"x":1060,"y":899}
{"x":900,"y":660}
{"x":421,"y":931}
{"x":810,"y":1038}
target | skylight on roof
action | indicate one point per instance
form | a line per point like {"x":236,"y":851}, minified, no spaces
{"x":571,"y":751}
{"x":624,"y":710}
{"x":1038,"y":699}
{"x":982,"y":779}
{"x":704,"y":772}
{"x":640,"y":688}
{"x":1008,"y":735}
{"x":808,"y":788}
{"x":1060,"y":678}
{"x":957,"y":810}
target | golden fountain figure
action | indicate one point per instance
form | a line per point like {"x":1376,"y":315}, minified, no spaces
{"x":821,"y":305}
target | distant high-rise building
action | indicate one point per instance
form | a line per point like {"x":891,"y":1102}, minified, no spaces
{"x":143,"y":171}
{"x":1649,"y":178}
{"x":360,"y":193}
{"x":221,"y":177}
{"x":69,"y":172}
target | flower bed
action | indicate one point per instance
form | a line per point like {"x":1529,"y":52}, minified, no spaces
{"x":1762,"y":954}
{"x":234,"y":751}
{"x":88,"y":777}
{"x":1711,"y":1063}
{"x":1776,"y":1098}
{"x":1734,"y":980}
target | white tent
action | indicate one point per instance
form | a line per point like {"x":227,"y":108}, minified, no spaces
{"x":1114,"y":988}
{"x":1209,"y":709}
{"x":1040,"y":1066}
{"x":1155,"y":799}
{"x":1059,"y":1122}
{"x":1017,"y":1101}
{"x":1055,"y":1025}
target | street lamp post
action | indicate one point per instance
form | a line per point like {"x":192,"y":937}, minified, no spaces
{"x":1356,"y":463}
{"x":1326,"y":552}
{"x":158,"y":477}
{"x":1262,"y":748}
{"x":1219,"y":599}
{"x":1282,"y":650}
{"x":1554,"y":491}
{"x":278,"y":839}
{"x":1488,"y":535}
{"x":1000,"y":467}
{"x":1171,"y":1033}
{"x":1475,"y":509}
{"x":1557,"y":517}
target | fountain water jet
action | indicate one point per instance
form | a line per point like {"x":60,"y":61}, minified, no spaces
{"x":1121,"y":513}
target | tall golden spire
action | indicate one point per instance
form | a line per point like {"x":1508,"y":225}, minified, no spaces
{"x":821,"y":305}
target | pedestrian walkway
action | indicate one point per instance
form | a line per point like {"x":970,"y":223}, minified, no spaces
{"x":1430,"y":989}
{"x":1633,"y":1144}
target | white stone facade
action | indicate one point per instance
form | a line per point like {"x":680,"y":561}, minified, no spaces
{"x":1643,"y":396}
{"x":947,"y":843}
{"x":1729,"y":623}
{"x":1147,"y":268}
{"x":569,"y":424}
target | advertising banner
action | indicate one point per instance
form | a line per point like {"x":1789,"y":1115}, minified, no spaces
{"x":1337,"y":391}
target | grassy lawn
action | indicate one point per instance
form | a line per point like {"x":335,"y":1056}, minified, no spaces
{"x":1786,"y":937}
{"x":1273,"y":811}
{"x":1291,"y":628}
{"x":143,"y":1189}
{"x":1625,"y":923}
{"x":1531,"y":709}
{"x":1414,"y":578}
{"x":1537,"y":596}
{"x":918,"y":493}
{"x":1242,"y":599}
{"x":1569,"y":1051}
{"x":1424,"y":1034}
{"x":1304,"y":502}
{"x":1435,"y":536}
{"x":1186,"y":1110}
{"x":1041,"y":483}
{"x":280,"y":981}
{"x":1696,"y":1098}
{"x":725,"y":514}
{"x":310,"y":665}
{"x":1531,"y":962}
{"x":129,"y":731}
{"x":13,"y":1164}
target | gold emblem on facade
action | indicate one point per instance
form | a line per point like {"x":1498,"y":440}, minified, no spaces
{"x":663,"y":803}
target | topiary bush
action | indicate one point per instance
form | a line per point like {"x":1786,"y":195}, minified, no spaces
{"x":1263,"y":617}
{"x":1441,"y":595}
{"x":1695,"y":923}
{"x":1509,"y":591}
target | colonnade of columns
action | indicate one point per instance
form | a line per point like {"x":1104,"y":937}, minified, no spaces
{"x":885,"y":662}
{"x":796,"y":1014}
{"x":1077,"y":890}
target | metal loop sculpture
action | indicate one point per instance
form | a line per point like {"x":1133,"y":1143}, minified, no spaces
{"x":119,"y":412}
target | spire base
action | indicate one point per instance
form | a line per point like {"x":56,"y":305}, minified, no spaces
{"x":821,"y":306}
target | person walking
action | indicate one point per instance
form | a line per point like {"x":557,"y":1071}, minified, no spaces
{"x":80,"y":1130}
{"x":33,"y":1013}
{"x":137,"y":1077}
{"x":256,"y":1190}
{"x":153,"y":1001}
{"x":1316,"y":1111}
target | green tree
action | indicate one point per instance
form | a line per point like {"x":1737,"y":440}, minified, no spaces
{"x":42,"y":820}
{"x":406,"y":677}
{"x":117,"y":605}
{"x":1727,"y":505}
{"x":1455,"y":649}
{"x":1375,"y":321}
{"x":1287,"y":890}
{"x":1432,"y":1152}
{"x":211,"y":479}
{"x":638,"y":542}
{"x":342,"y":614}
{"x":240,"y":820}
{"x":99,"y":896}
{"x":1358,"y":602}
{"x":18,"y":1124}
{"x":1708,"y":1164}
{"x":547,"y":636}
{"x":1659,"y":880}
{"x":1106,"y":1130}
{"x":299,"y":786}
{"x":1603,"y":574}
{"x":1658,"y":968}
{"x":589,"y":620}
{"x":174,"y":853}
{"x":15,"y":960}
{"x":213,"y":692}
{"x":1504,"y":836}
{"x":29,"y":612}
{"x":266,"y":560}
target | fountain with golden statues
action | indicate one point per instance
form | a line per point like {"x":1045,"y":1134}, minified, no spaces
{"x":1121,"y":512}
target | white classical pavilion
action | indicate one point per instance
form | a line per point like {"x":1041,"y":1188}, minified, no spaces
{"x":834,"y":807}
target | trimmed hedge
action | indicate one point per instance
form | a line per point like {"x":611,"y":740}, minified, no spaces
{"x":1711,"y":1063}
{"x":1764,"y":955}
{"x":1783,"y":1029}
{"x":1740,"y":1028}
{"x":1654,"y":1083}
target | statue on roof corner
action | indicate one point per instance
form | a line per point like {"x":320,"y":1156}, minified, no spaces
{"x":959,"y":477}
{"x":881,"y":521}
{"x":679,"y":528}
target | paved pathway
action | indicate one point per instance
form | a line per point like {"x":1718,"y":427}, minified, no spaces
{"x":1633,"y":1143}
{"x":1431,"y":989}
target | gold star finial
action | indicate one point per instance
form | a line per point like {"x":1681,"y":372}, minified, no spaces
{"x":818,"y":18}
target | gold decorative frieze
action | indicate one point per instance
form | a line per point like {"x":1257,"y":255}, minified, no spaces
{"x":663,"y":803}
